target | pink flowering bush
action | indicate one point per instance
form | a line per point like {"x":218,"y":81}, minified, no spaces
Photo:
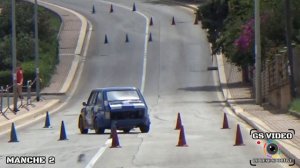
{"x":247,"y":36}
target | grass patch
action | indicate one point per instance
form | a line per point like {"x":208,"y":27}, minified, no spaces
{"x":295,"y":105}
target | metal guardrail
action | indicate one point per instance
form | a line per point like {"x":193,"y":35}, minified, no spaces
{"x":5,"y":96}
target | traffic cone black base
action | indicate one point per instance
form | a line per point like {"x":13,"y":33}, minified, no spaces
{"x":47,"y":121}
{"x":13,"y":134}
{"x":238,"y":137}
{"x":63,"y":134}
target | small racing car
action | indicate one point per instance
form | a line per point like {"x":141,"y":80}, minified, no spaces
{"x":122,"y":107}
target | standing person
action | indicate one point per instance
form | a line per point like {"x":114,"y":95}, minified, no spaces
{"x":20,"y":79}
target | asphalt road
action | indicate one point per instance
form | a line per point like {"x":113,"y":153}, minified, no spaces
{"x":176,"y":81}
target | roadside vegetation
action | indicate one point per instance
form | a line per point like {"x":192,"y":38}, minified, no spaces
{"x":49,"y":24}
{"x":295,"y":106}
{"x":230,"y":25}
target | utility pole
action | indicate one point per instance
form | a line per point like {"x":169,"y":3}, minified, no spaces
{"x":36,"y":35}
{"x":14,"y":54}
{"x":258,"y":98}
{"x":289,"y":48}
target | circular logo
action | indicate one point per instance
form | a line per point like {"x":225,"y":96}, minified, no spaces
{"x":272,"y":149}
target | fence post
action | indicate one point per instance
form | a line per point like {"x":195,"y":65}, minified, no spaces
{"x":1,"y":99}
{"x":28,"y":92}
{"x":8,"y":101}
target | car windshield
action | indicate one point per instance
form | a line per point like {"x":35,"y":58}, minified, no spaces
{"x":121,"y":95}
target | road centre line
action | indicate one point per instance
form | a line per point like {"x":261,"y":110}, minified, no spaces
{"x":103,"y":148}
{"x":98,"y":154}
{"x":145,"y":43}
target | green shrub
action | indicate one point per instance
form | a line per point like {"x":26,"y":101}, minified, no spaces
{"x":295,"y":105}
{"x":49,"y":24}
{"x":5,"y":78}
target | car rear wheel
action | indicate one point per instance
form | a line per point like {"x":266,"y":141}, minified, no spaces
{"x":145,"y":128}
{"x":98,"y":130}
{"x":81,"y":126}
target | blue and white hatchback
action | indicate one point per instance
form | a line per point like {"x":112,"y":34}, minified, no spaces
{"x":122,"y":107}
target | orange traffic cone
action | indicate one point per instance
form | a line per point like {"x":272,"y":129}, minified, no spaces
{"x":178,"y":123}
{"x":111,"y":9}
{"x":238,"y":137}
{"x":173,"y":21}
{"x":181,"y":140}
{"x":115,"y":140}
{"x":225,"y":122}
{"x":151,"y":22}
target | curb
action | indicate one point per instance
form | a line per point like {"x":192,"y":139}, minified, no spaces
{"x":22,"y":119}
{"x":287,"y":146}
{"x":194,"y":7}
{"x":70,"y":77}
{"x":294,"y":113}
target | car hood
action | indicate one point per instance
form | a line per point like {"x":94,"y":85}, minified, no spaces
{"x":126,"y":105}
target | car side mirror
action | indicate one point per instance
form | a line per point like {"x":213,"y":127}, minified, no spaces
{"x":84,"y":104}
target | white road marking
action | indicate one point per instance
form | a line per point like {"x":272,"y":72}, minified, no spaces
{"x":145,"y":52}
{"x":145,"y":43}
{"x":103,"y":148}
{"x":98,"y":154}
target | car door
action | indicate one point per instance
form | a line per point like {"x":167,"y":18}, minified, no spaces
{"x":98,"y":107}
{"x":89,"y":116}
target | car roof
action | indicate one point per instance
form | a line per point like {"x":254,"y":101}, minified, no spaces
{"x":115,"y":88}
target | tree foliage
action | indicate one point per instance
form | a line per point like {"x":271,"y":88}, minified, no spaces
{"x":24,"y":30}
{"x":232,"y":31}
{"x":48,"y":24}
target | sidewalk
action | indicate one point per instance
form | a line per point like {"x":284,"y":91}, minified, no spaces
{"x":71,"y":37}
{"x":240,"y":99}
